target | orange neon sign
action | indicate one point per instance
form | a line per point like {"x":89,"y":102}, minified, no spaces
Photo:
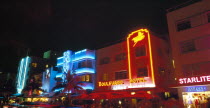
{"x":134,"y":39}
{"x":138,"y":38}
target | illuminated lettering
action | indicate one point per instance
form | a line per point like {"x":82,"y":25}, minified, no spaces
{"x":110,"y":83}
{"x":194,"y":79}
{"x":197,"y":80}
{"x":208,"y":78}
{"x":204,"y":78}
{"x":137,"y":80}
{"x":189,"y":80}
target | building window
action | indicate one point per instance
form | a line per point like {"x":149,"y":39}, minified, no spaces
{"x":121,"y":75}
{"x":85,"y":78}
{"x":142,"y":72}
{"x":208,"y":16}
{"x":197,"y":69}
{"x":190,"y":69}
{"x":187,"y":46}
{"x":34,"y":65}
{"x":84,"y":64}
{"x":105,"y":60}
{"x":89,"y":64}
{"x":105,"y":77}
{"x":183,"y":25}
{"x":140,"y":51}
{"x":120,"y":57}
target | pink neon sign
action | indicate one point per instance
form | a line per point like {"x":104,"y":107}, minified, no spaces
{"x":194,"y":79}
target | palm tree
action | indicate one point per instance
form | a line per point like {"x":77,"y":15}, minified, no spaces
{"x":72,"y":85}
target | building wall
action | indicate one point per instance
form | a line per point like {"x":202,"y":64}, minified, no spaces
{"x":106,"y":72}
{"x":190,"y":51}
{"x":198,"y":33}
{"x":161,"y":62}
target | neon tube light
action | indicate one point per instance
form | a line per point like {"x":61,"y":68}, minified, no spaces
{"x":151,"y":59}
{"x":83,"y":57}
{"x":59,"y":57}
{"x":137,"y":39}
{"x":84,"y":70}
{"x":81,"y":51}
{"x":24,"y":77}
{"x":59,"y":64}
{"x":20,"y":72}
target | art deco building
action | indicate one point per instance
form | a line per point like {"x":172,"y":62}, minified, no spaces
{"x":140,"y":63}
{"x":80,"y":65}
{"x":189,"y":25}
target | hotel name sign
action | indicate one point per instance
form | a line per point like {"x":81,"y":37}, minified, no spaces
{"x":119,"y":82}
{"x":198,"y":79}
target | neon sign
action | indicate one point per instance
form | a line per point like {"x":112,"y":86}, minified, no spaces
{"x":196,"y":89}
{"x":119,"y":82}
{"x":194,"y":79}
{"x":137,"y":80}
{"x":110,"y":83}
{"x":22,"y":73}
{"x":138,"y":38}
{"x":66,"y":61}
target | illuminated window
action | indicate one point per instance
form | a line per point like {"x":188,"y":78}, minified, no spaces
{"x":85,"y":78}
{"x":187,"y":46}
{"x":121,"y":75}
{"x":34,"y":65}
{"x":105,"y":77}
{"x":183,"y":25}
{"x":121,"y":56}
{"x":82,"y":78}
{"x":46,"y":66}
{"x":142,"y":72}
{"x":105,"y":60}
{"x":140,"y":51}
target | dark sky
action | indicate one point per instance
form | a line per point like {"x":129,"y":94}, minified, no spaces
{"x":43,"y":25}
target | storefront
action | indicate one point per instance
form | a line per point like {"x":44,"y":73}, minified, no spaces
{"x":194,"y":96}
{"x":194,"y":91}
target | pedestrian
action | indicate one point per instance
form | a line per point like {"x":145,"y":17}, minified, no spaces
{"x":208,"y":103}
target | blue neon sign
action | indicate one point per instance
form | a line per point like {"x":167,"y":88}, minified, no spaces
{"x":66,"y":61}
{"x":196,"y":89}
{"x":22,"y":73}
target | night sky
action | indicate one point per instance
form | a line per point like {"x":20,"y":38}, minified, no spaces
{"x":42,"y":25}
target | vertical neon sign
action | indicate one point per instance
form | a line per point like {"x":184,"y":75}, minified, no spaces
{"x":66,"y":62}
{"x":22,"y":74}
{"x":134,"y":39}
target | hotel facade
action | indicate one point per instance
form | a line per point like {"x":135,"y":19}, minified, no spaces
{"x":140,"y":63}
{"x":189,"y":33}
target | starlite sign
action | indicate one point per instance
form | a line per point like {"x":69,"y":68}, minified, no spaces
{"x":194,"y":80}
